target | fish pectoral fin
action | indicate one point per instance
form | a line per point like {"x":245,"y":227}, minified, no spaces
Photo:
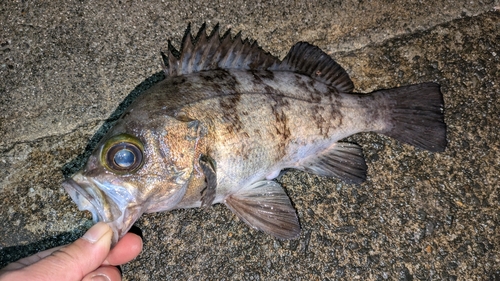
{"x":344,"y":161}
{"x":265,"y":206}
{"x":208,"y":165}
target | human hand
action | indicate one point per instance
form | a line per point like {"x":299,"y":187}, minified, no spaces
{"x":88,"y":258}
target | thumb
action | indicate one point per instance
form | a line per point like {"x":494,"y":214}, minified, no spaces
{"x":74,"y":261}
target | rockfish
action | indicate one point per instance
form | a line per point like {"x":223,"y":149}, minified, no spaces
{"x":228,"y":118}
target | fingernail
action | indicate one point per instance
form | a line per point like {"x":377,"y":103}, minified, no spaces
{"x":96,"y":232}
{"x":100,"y":277}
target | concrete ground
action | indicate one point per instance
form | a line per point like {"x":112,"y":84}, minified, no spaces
{"x":66,"y":67}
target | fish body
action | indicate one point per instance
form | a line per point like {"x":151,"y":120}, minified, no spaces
{"x":228,"y":118}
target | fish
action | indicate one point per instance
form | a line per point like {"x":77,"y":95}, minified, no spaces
{"x":228,"y":118}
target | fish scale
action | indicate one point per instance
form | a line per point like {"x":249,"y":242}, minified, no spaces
{"x":238,"y":139}
{"x":228,"y":117}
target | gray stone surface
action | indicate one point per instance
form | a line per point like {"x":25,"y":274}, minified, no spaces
{"x":66,"y":67}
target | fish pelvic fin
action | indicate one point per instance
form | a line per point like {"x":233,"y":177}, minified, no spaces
{"x":416,"y":116}
{"x":344,"y":161}
{"x":265,"y":206}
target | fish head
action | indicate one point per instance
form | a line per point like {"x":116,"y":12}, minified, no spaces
{"x":142,"y":165}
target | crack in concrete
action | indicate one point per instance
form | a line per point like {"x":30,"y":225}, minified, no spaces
{"x":7,"y":148}
{"x":410,"y":34}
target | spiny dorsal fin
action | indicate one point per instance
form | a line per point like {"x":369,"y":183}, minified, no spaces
{"x":207,"y":52}
{"x":214,"y":52}
{"x":312,"y":61}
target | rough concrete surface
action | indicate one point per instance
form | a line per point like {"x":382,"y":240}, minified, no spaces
{"x":65,"y":67}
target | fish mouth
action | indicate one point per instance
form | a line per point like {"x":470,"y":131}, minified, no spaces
{"x":83,"y":199}
{"x":109,"y":203}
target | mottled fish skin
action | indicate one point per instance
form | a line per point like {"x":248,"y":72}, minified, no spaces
{"x":260,"y":122}
{"x":228,"y":118}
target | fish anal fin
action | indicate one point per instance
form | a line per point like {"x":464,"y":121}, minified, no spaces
{"x":265,"y":206}
{"x":343,"y":160}
{"x":310,"y":60}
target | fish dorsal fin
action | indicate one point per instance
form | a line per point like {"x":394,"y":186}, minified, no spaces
{"x":207,"y":52}
{"x":310,"y":60}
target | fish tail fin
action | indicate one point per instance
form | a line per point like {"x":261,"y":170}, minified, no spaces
{"x":416,"y":116}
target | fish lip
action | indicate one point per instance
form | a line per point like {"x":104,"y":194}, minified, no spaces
{"x":90,"y":194}
{"x":82,"y":198}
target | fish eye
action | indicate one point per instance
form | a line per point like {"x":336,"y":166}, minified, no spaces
{"x":122,"y":154}
{"x":124,"y":158}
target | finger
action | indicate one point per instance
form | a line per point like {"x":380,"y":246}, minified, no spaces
{"x":40,"y":255}
{"x":30,"y":260}
{"x":129,"y":247}
{"x":106,"y":273}
{"x":76,"y":260}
